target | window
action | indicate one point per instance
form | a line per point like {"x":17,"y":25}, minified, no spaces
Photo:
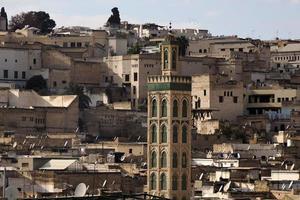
{"x":184,"y":108}
{"x":184,"y":160}
{"x":135,"y":76}
{"x":235,"y":99}
{"x":153,"y":160}
{"x":163,"y":181}
{"x":163,"y":160}
{"x":134,"y":89}
{"x":31,"y":119}
{"x":174,"y":160}
{"x":34,"y":61}
{"x":54,"y":84}
{"x":25,"y":165}
{"x":16,"y":61}
{"x":73,"y":44}
{"x":63,"y":82}
{"x":231,"y":93}
{"x":5,"y":73}
{"x":16,"y":74}
{"x":174,"y":182}
{"x":79,"y":44}
{"x":23,"y":75}
{"x":241,"y":49}
{"x":183,"y":182}
{"x":153,"y":181}
{"x":204,"y":92}
{"x":164,"y":108}
{"x":204,"y":51}
{"x":166,"y":58}
{"x":200,"y":50}
{"x":127,"y":77}
{"x":231,"y":49}
{"x":154,"y":108}
{"x":184,"y":134}
{"x":65,"y":44}
{"x":175,"y":134}
{"x":221,"y":99}
{"x":154,"y":134}
{"x":130,"y":151}
{"x":174,"y":52}
{"x":175,"y":108}
{"x":164,"y":134}
{"x":222,"y":49}
{"x":5,"y":60}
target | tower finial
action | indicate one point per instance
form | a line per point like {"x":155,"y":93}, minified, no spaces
{"x":170,"y":27}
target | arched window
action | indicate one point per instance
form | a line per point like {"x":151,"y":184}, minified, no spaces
{"x":174,"y":54}
{"x":164,"y":134}
{"x":163,"y":181}
{"x":183,"y":182}
{"x":154,"y":134}
{"x":184,"y":160}
{"x":164,"y":108}
{"x":175,"y":134}
{"x":153,"y":160}
{"x":184,"y":108}
{"x":174,"y":182}
{"x":184,"y":134}
{"x":154,"y":108}
{"x":153,"y":181}
{"x":174,"y":160}
{"x":175,"y":108}
{"x":163,"y":160}
{"x":166,"y":52}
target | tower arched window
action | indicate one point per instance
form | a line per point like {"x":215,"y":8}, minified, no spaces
{"x":184,"y":108}
{"x":164,"y":134}
{"x":183,"y":182}
{"x":174,"y":59}
{"x":164,"y":108}
{"x":183,"y":160}
{"x":175,"y":108}
{"x":163,"y":160}
{"x":175,"y":134}
{"x":153,"y":160}
{"x":153,"y":133}
{"x":153,"y":181}
{"x":184,"y":134}
{"x":163,"y":181}
{"x":174,"y":160}
{"x":174,"y":182}
{"x":154,"y":108}
{"x":166,"y":59}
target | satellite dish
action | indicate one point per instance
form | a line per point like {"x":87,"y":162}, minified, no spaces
{"x":104,"y":183}
{"x":292,"y":167}
{"x":283,"y":186}
{"x":138,"y":139}
{"x":42,"y":147}
{"x":33,"y":145}
{"x":66,"y":143}
{"x":227,"y":186}
{"x":220,"y":188}
{"x":11,"y":193}
{"x":123,"y":158}
{"x":113,"y":182}
{"x":14,"y":145}
{"x":201,"y":176}
{"x":291,"y":184}
{"x":24,"y":141}
{"x":80,"y":190}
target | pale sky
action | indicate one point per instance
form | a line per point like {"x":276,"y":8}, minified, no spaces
{"x":265,"y":19}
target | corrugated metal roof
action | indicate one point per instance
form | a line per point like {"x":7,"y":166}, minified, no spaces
{"x":57,"y":164}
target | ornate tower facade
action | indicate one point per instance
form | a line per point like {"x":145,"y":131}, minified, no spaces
{"x":169,"y":129}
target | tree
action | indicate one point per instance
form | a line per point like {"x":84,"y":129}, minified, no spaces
{"x":84,"y":100}
{"x":114,"y":19}
{"x":183,"y":43}
{"x":135,"y":49}
{"x":40,"y":20}
{"x":36,"y":83}
{"x":4,"y":15}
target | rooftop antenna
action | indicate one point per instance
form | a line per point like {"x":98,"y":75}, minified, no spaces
{"x":201,"y":176}
{"x":80,"y":190}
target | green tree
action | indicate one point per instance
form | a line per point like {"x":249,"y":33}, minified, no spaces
{"x":114,"y":19}
{"x":84,"y":100}
{"x":135,"y":49}
{"x":36,"y":83}
{"x":40,"y":20}
{"x":4,"y":14}
{"x":183,"y":43}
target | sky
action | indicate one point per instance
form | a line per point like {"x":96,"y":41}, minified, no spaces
{"x":262,"y":19}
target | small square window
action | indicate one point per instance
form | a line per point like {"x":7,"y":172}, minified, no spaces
{"x":221,"y":99}
{"x":235,"y":99}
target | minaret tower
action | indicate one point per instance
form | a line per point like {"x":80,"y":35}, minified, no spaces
{"x":169,"y":128}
